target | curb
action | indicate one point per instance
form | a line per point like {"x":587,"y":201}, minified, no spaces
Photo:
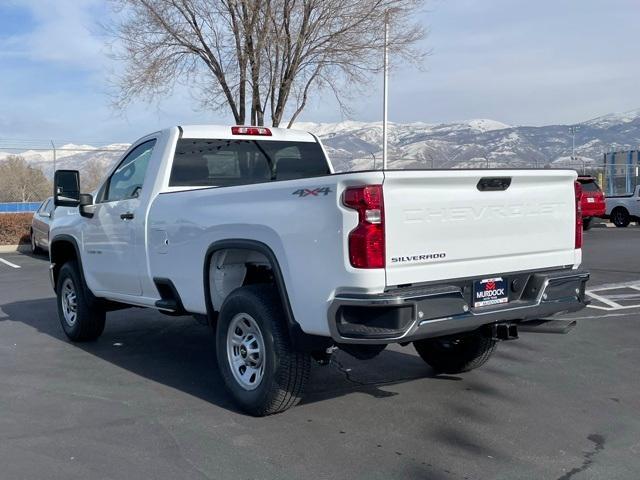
{"x":23,"y":247}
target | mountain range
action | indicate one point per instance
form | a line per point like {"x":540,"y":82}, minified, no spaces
{"x":475,"y":143}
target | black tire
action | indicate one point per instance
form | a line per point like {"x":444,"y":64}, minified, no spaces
{"x":35,"y":250}
{"x":620,"y":217}
{"x":89,"y":317}
{"x":285,"y":368}
{"x":587,"y":223}
{"x":456,"y":354}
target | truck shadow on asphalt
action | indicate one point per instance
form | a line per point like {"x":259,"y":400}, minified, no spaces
{"x":180,"y":353}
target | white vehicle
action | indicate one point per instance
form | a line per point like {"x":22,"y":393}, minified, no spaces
{"x":250,"y":228}
{"x":622,"y":210}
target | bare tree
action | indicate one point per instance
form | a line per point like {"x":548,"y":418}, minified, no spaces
{"x":92,"y":175}
{"x":20,"y":182}
{"x":269,"y":55}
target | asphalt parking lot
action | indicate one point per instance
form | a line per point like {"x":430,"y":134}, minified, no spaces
{"x":146,"y":400}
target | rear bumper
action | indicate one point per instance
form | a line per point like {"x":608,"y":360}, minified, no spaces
{"x":593,"y":212}
{"x":409,"y":314}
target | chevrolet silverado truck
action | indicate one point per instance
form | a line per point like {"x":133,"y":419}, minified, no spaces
{"x":250,"y":229}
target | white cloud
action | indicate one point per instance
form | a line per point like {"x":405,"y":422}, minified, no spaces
{"x":65,"y":32}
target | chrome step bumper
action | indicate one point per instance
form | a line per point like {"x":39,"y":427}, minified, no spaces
{"x":409,"y":314}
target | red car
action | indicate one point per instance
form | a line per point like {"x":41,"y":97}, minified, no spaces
{"x":593,"y":202}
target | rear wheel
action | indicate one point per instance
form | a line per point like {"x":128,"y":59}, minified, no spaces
{"x":264,"y":372}
{"x":620,"y":217}
{"x":81,"y":320}
{"x":456,"y":354}
{"x":587,"y":223}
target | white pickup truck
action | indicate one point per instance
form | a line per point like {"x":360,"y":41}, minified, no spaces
{"x":250,"y":228}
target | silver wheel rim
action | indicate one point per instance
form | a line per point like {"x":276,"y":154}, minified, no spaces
{"x":69,"y":302}
{"x":245,"y":351}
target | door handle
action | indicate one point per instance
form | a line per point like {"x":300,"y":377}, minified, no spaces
{"x":126,"y":216}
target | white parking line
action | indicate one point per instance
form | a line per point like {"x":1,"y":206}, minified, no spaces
{"x":609,"y":299}
{"x":7,"y":262}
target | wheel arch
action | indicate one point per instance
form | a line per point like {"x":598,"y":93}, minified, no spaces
{"x":249,"y":246}
{"x":620,"y":207}
{"x":62,"y":249}
{"x":297,"y":336}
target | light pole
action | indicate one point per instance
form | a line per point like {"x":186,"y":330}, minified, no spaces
{"x":573,"y":129}
{"x":385,"y":90}
{"x":53,"y":146}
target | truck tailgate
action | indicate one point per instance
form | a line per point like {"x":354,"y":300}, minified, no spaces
{"x":448,"y":224}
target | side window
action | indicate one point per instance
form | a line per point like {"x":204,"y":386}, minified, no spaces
{"x":128,"y":178}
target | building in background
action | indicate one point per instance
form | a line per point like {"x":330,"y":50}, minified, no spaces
{"x":620,"y":173}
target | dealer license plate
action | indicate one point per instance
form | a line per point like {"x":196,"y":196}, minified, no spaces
{"x":490,"y":291}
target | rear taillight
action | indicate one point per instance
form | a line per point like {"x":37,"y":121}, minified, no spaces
{"x":578,"y":192}
{"x":366,"y":241}
{"x":259,"y":131}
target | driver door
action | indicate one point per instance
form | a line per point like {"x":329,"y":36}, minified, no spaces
{"x":118,"y":223}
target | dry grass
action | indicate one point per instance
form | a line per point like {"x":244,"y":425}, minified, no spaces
{"x":14,"y":228}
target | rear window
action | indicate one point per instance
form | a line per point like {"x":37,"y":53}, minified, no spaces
{"x":589,"y":185}
{"x":224,"y":163}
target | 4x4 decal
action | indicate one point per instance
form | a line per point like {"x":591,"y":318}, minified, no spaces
{"x":315,"y":192}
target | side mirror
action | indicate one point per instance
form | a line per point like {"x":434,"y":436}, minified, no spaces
{"x":66,"y":188}
{"x":45,"y":214}
{"x":87,"y":208}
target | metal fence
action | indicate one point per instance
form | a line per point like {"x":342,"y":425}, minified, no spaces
{"x":19,"y":207}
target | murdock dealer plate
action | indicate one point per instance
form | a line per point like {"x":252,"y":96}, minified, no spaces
{"x":490,"y":291}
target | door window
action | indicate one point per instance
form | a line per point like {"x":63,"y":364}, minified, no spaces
{"x":127,"y":180}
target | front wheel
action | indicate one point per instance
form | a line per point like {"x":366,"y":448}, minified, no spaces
{"x":35,"y":250}
{"x":262,"y":369}
{"x":456,"y":353}
{"x":81,"y":320}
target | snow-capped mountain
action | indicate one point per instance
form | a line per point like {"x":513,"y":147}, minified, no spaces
{"x":71,"y":156}
{"x":474,"y":143}
{"x":477,"y":143}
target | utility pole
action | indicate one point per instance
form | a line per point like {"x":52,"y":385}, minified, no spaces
{"x":53,"y":146}
{"x":385,"y":90}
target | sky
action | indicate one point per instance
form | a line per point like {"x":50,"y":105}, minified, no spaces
{"x":520,"y":62}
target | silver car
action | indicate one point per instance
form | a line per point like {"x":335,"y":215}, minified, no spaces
{"x":40,"y":226}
